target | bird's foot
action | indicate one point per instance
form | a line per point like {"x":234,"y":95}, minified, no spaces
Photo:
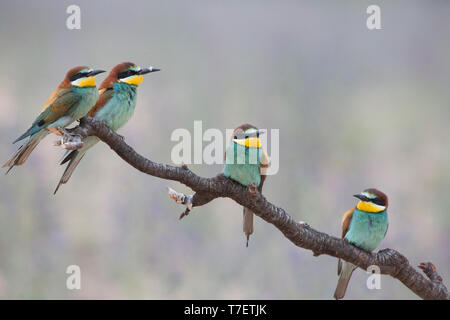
{"x":181,"y":198}
{"x":68,"y":140}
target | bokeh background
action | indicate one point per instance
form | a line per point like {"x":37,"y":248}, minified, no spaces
{"x":355,"y":109}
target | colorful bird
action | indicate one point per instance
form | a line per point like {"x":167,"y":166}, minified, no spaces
{"x":71,"y":100}
{"x":246,"y":162}
{"x":364,"y":226}
{"x":115,"y":106}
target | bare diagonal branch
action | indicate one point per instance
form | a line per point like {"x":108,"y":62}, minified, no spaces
{"x":391,"y":262}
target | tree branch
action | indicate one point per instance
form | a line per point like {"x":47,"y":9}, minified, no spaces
{"x":301,"y":234}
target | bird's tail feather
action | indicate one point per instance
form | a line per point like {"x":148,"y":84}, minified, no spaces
{"x":74,"y":157}
{"x":346,"y":270}
{"x":33,"y":129}
{"x":25,"y":150}
{"x":247,"y":225}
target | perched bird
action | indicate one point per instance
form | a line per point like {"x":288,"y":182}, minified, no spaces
{"x":246,"y":162}
{"x":71,"y":100}
{"x":115,"y":106}
{"x":364,"y":226}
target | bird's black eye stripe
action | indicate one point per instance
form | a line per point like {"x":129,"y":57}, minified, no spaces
{"x":126,"y":74}
{"x":242,"y":136}
{"x":378,"y":201}
{"x":246,"y":135}
{"x":78,"y":75}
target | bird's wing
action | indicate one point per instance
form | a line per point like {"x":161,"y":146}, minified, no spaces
{"x":346,"y":219}
{"x":58,"y":104}
{"x":105,"y":95}
{"x":55,"y":94}
{"x":264,"y":164}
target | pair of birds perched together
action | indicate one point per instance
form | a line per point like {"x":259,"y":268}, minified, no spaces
{"x":76,"y":96}
{"x":245,"y":160}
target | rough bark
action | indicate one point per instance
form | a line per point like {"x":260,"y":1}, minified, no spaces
{"x":391,"y":262}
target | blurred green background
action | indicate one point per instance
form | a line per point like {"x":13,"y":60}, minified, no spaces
{"x":355,"y":109}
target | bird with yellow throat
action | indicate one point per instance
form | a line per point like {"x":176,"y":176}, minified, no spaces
{"x":71,"y":100}
{"x":246,"y":162}
{"x":364,"y":226}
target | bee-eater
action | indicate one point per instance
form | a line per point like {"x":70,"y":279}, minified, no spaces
{"x":71,"y":100}
{"x":364,"y":226}
{"x":246,"y":162}
{"x":115,"y":106}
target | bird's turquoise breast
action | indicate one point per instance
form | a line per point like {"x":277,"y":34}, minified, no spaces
{"x":242,"y":164}
{"x":367,"y":230}
{"x":120,"y":108}
{"x":89,"y":96}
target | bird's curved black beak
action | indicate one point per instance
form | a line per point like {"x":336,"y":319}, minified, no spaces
{"x":361,"y":197}
{"x":95,"y":72}
{"x":148,"y":70}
